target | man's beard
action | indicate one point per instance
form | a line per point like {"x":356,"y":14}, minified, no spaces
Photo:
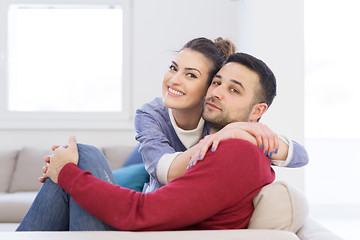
{"x":219,"y":121}
{"x":217,"y":125}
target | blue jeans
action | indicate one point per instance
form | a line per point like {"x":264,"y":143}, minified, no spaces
{"x":54,"y":210}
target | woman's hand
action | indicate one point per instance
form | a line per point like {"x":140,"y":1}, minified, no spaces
{"x":60,"y":157}
{"x":265,"y":137}
{"x":213,"y":141}
{"x":256,"y":133}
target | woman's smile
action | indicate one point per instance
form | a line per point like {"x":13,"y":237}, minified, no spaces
{"x":175,"y":92}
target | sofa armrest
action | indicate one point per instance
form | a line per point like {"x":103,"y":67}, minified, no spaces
{"x":312,"y":230}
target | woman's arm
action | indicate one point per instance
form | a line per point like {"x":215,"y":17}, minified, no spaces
{"x":183,"y":160}
{"x":155,"y":136}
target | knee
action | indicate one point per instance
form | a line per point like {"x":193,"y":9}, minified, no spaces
{"x":87,"y":149}
{"x":88,"y":153}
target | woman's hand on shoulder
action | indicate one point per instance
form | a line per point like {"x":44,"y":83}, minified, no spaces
{"x":213,"y":141}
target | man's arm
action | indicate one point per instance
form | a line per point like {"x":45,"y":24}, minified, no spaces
{"x":188,"y":200}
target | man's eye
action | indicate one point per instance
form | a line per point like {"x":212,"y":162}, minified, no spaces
{"x":234,"y":90}
{"x":216,"y":83}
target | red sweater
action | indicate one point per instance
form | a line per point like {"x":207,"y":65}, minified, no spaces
{"x":215,"y":194}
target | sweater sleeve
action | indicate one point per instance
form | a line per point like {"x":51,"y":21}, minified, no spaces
{"x":215,"y":194}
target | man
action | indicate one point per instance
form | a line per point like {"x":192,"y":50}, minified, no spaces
{"x":216,"y":194}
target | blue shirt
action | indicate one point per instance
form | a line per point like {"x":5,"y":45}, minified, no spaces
{"x":157,"y":137}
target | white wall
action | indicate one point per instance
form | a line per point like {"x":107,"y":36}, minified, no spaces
{"x":273,"y":31}
{"x":270,"y":29}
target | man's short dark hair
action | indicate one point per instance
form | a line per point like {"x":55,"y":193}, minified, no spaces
{"x":267,"y":77}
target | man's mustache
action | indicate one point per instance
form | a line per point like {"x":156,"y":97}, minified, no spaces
{"x":213,"y":101}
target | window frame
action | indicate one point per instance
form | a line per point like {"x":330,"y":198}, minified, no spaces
{"x":66,"y":120}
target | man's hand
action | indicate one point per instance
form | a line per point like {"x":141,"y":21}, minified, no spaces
{"x":47,"y":161}
{"x":60,"y":157}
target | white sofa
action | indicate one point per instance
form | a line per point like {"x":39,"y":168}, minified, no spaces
{"x":271,"y":220}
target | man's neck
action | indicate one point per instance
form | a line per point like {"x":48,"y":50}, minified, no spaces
{"x":214,"y":129}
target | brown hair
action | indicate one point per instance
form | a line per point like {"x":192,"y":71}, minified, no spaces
{"x":217,"y":51}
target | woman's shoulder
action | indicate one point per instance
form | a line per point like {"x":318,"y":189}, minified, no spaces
{"x":155,"y":107}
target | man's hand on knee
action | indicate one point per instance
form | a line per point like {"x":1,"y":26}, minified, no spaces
{"x":60,"y":157}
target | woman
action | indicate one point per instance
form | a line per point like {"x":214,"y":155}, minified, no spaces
{"x":170,"y":125}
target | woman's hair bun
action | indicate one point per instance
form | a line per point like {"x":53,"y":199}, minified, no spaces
{"x":226,"y":46}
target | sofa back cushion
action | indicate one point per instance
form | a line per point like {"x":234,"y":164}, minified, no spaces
{"x":7,"y":162}
{"x":279,"y":206}
{"x":28,"y":169}
{"x":117,"y":155}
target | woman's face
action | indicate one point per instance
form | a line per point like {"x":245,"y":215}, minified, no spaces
{"x":185,"y":83}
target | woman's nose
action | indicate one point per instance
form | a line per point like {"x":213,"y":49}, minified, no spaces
{"x":176,"y":79}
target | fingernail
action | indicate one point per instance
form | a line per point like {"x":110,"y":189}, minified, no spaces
{"x":271,"y":154}
{"x":276,"y":150}
{"x":192,"y":163}
{"x":265,"y":153}
{"x":213,"y":149}
{"x":188,"y":166}
{"x":261,"y":146}
{"x":199,"y":157}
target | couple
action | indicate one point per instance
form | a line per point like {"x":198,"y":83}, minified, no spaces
{"x":216,"y":193}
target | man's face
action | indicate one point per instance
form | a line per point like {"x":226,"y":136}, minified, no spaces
{"x":230,"y":97}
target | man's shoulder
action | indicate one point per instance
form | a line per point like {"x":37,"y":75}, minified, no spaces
{"x":240,"y":148}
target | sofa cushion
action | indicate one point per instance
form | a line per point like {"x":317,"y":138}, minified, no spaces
{"x":279,"y":206}
{"x":117,"y":155}
{"x":7,"y":161}
{"x":134,"y":157}
{"x":28,"y":169}
{"x":132,"y":177}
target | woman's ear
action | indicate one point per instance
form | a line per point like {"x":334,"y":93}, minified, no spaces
{"x":257,"y":111}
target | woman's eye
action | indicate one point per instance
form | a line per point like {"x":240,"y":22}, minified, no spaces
{"x":190,"y":75}
{"x":216,"y":83}
{"x":172,"y":68}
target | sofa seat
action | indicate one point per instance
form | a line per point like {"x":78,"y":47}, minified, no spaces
{"x":13,"y":206}
{"x":245,"y":234}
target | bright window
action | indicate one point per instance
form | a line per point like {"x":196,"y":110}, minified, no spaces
{"x":66,"y":59}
